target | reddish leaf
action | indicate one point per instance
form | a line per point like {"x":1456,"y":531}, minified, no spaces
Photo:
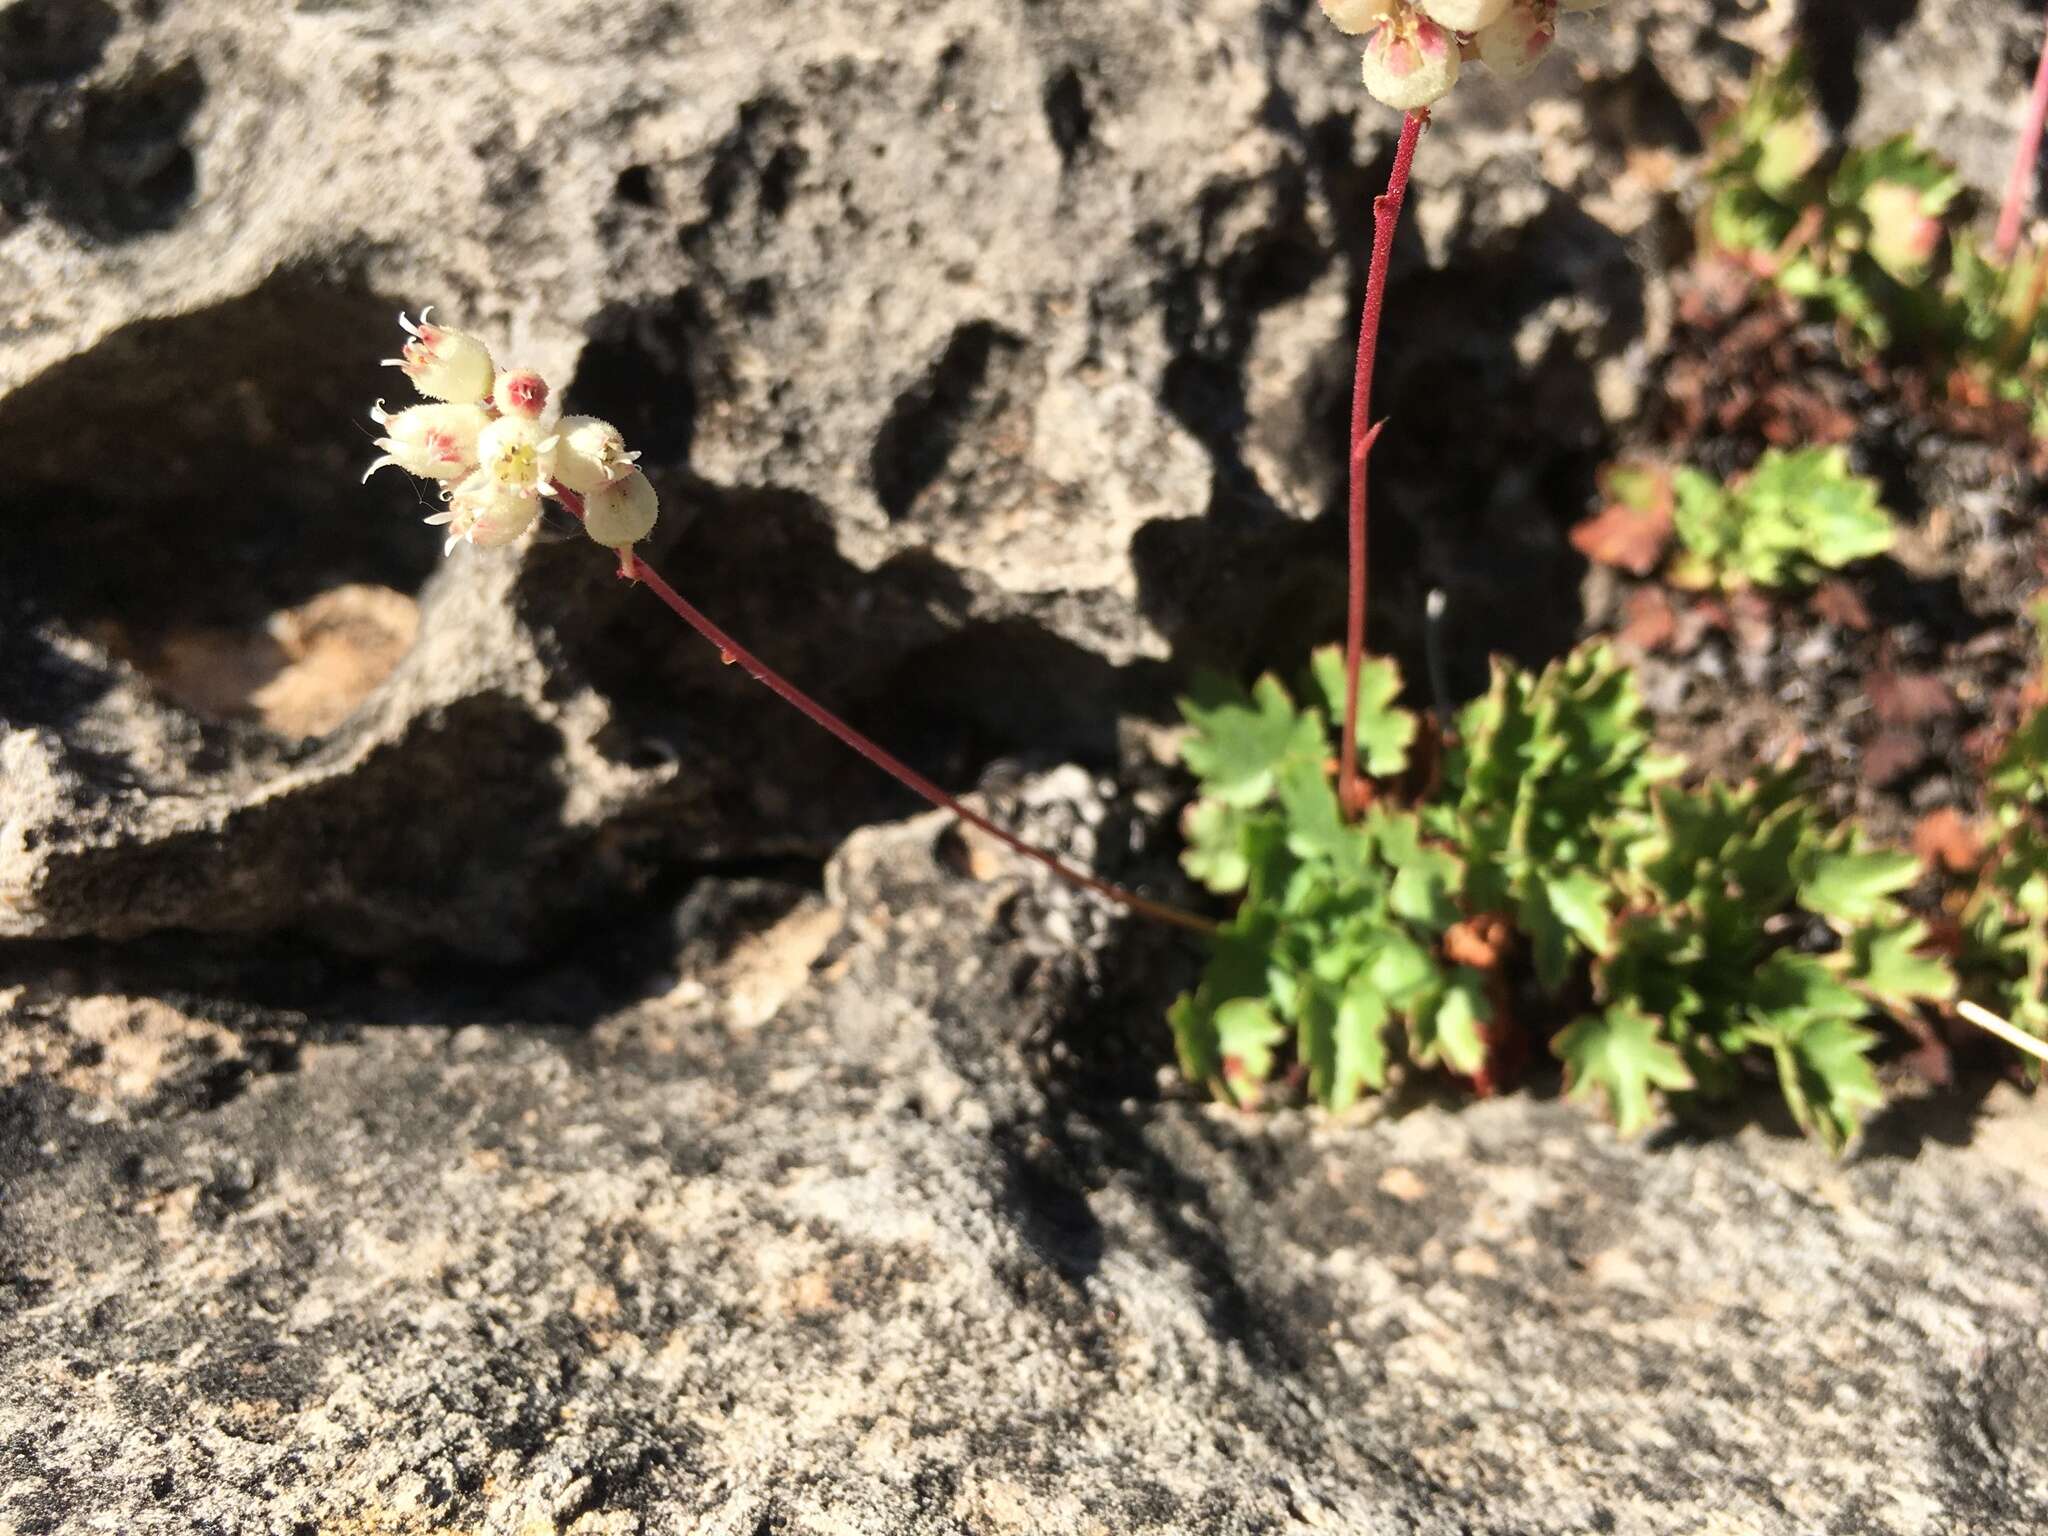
{"x":1633,"y":529}
{"x":1839,"y":604}
{"x":1945,"y":841}
{"x":1930,"y":1060}
{"x":1891,"y":756}
{"x":1480,"y":942}
{"x":1909,"y":698}
{"x":1649,"y":623}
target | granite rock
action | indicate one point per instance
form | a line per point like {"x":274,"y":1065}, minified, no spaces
{"x":873,"y":1222}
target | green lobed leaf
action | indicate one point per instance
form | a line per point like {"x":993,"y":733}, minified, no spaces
{"x":1622,"y":1056}
{"x":1853,"y":885}
{"x":1240,"y":957}
{"x":1825,"y":1073}
{"x":1453,"y":1031}
{"x":1385,"y":731}
{"x":1215,"y":853}
{"x":1240,"y":742}
{"x":1427,"y":878}
{"x":1890,"y":966}
{"x":1247,"y":1035}
{"x":1359,"y":1060}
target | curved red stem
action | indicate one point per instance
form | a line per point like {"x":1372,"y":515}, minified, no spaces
{"x":1386,"y":216}
{"x":732,"y":652}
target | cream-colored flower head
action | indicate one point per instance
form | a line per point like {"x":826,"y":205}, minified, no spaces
{"x":436,"y":442}
{"x":1515,"y":44}
{"x":621,"y":513}
{"x":444,"y":364}
{"x":591,"y":454}
{"x":519,"y":454}
{"x":1410,"y":61}
{"x":485,"y":513}
{"x":520,"y":392}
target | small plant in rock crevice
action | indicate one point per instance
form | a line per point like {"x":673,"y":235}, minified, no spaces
{"x":1401,"y":890}
{"x":1710,"y":933}
{"x":1873,"y":237}
{"x":1781,"y":527}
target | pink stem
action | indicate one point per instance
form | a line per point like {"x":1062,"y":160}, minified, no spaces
{"x":636,"y":569}
{"x":1386,"y":215}
{"x":2019,"y":188}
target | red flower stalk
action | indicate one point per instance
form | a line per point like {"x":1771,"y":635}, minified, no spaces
{"x":633,"y":568}
{"x":1386,"y":216}
{"x":2019,"y":188}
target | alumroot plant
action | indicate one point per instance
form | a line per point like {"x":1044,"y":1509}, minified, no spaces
{"x":494,"y":442}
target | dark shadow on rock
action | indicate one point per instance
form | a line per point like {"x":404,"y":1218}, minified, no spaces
{"x":641,"y":371}
{"x":1948,"y":1117}
{"x":1833,"y":33}
{"x":200,"y":470}
{"x":969,"y":389}
{"x":1209,"y":308}
{"x":109,"y":160}
{"x":896,"y":651}
{"x":50,"y":40}
{"x":1047,"y":1195}
{"x":1486,"y":462}
{"x":1640,"y":110}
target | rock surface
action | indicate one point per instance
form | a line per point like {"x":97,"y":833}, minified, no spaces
{"x":1012,"y":340}
{"x":487,"y":1111}
{"x":841,"y":1233}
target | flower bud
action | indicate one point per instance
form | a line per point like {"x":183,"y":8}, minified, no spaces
{"x":444,"y":364}
{"x":438,"y":442}
{"x":484,"y":513}
{"x":519,"y":455}
{"x":591,"y":454}
{"x":1410,"y":61}
{"x":1355,"y":16}
{"x":1516,"y":42}
{"x":1463,"y":15}
{"x":621,"y":512}
{"x":520,"y":392}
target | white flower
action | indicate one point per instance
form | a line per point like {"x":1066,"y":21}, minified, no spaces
{"x":621,"y":512}
{"x":1410,"y":61}
{"x":520,"y":392}
{"x":484,"y":513}
{"x":437,"y":442}
{"x":519,"y":455}
{"x":444,"y":364}
{"x":592,"y":453}
{"x":1355,"y":16}
{"x":1517,"y":42}
{"x":1463,"y":15}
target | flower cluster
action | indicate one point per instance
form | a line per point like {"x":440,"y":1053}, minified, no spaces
{"x":492,"y":440}
{"x":1415,"y":48}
